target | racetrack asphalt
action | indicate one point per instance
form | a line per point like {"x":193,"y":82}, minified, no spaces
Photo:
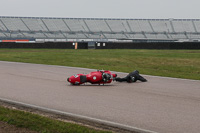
{"x":161,"y":105}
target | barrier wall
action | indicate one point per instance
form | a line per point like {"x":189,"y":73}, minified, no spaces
{"x":158,"y":45}
{"x":49,"y":45}
{"x":103,"y":45}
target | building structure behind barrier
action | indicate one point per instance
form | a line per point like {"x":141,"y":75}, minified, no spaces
{"x":99,"y":29}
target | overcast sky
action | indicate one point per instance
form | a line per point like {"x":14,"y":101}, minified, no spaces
{"x":134,"y":9}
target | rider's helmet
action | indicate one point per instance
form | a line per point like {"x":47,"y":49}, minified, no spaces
{"x":106,"y":77}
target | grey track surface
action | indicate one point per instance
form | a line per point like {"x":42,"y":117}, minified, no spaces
{"x":161,"y":105}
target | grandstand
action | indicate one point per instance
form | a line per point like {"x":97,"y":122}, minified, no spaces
{"x":99,"y":29}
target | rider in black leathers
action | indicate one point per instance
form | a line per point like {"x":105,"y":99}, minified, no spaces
{"x":131,"y":77}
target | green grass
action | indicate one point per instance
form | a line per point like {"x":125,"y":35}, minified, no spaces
{"x":169,"y":63}
{"x":41,"y":124}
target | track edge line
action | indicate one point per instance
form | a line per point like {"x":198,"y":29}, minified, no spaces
{"x":99,"y":121}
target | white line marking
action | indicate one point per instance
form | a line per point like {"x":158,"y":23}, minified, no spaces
{"x":109,"y":123}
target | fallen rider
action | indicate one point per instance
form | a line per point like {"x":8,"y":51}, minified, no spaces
{"x":131,"y":77}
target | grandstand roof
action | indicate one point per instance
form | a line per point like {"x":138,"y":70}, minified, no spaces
{"x":99,"y":28}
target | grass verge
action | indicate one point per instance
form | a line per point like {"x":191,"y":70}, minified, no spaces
{"x":41,"y":124}
{"x":168,"y":63}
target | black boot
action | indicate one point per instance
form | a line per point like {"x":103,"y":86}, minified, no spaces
{"x":142,"y":78}
{"x":138,"y":76}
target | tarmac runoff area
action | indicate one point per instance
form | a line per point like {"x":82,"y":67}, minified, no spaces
{"x":160,"y":105}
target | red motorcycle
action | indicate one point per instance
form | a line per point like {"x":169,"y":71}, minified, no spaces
{"x":97,"y":77}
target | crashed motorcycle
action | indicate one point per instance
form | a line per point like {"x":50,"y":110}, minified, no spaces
{"x":96,"y":77}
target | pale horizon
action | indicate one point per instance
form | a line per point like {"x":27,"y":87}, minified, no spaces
{"x":126,"y":9}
